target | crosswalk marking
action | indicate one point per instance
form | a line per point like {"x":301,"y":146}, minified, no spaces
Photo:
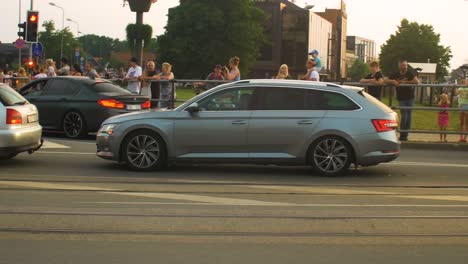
{"x":52,"y":145}
{"x":322,"y":190}
{"x":54,"y":186}
{"x":454,"y":198}
{"x":203,"y":199}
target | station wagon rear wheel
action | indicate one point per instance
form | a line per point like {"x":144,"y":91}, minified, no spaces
{"x":330,"y":155}
{"x":144,"y":151}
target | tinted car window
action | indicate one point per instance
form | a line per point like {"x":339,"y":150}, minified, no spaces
{"x":275,"y":98}
{"x":238,"y":99}
{"x":323,"y":100}
{"x":105,"y":87}
{"x":9,"y":97}
{"x":33,"y":89}
{"x":60,"y":87}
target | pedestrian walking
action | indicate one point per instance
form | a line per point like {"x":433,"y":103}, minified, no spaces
{"x":50,"y":64}
{"x":312,"y":73}
{"x":232,"y":74}
{"x":405,"y":95}
{"x":152,"y":73}
{"x":65,"y":68}
{"x":375,"y":77}
{"x":90,"y":71}
{"x":443,"y":118}
{"x":463,"y":104}
{"x":166,"y":88}
{"x":283,"y":73}
{"x":133,"y":74}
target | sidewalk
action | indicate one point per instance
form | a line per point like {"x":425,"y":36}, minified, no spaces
{"x":432,"y":142}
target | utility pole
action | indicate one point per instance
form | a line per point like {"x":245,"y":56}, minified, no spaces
{"x":31,"y":7}
{"x":19,"y":22}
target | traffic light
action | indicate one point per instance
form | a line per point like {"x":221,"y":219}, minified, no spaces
{"x":23,"y":32}
{"x":30,"y":64}
{"x":32,"y":26}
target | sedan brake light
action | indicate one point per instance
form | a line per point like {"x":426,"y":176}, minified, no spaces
{"x":384,"y":125}
{"x":111,"y":103}
{"x":13,"y":117}
{"x":146,"y":105}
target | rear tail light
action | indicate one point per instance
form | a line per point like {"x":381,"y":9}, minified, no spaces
{"x":111,"y":103}
{"x":13,"y":117}
{"x":384,"y":125}
{"x":146,"y":105}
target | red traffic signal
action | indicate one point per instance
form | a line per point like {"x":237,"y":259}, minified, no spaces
{"x":32,"y":26}
{"x":30,"y":63}
{"x":33,"y":18}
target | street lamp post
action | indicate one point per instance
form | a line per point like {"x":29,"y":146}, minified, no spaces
{"x":77,"y":25}
{"x":63,"y":26}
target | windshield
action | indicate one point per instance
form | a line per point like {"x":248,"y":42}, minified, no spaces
{"x":105,"y":87}
{"x":8,"y":97}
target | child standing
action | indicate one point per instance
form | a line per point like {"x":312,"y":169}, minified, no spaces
{"x":443,"y":117}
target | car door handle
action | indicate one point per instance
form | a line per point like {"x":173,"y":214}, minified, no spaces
{"x":305,"y":122}
{"x":239,"y":122}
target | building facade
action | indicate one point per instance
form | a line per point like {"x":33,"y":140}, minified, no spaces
{"x":339,"y":20}
{"x":364,"y":49}
{"x":292,"y":32}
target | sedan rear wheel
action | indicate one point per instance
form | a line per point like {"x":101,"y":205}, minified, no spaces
{"x":74,"y":125}
{"x":331,"y":155}
{"x":144,"y":151}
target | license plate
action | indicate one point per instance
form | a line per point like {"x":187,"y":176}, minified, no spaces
{"x":133,"y":107}
{"x":32,"y":118}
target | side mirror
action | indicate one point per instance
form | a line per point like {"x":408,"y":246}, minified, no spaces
{"x":193,"y":108}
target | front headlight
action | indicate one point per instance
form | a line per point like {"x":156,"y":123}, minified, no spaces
{"x":108,"y":129}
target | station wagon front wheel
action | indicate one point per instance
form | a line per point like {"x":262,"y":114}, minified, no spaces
{"x":330,"y":155}
{"x":144,"y":151}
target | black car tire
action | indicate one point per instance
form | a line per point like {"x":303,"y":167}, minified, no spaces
{"x":74,"y":125}
{"x":144,"y":150}
{"x":330,"y":155}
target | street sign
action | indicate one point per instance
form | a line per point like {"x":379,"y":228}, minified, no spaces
{"x":37,"y":49}
{"x":19,"y":43}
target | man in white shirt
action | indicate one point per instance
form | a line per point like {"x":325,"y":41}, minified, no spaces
{"x":132,"y":76}
{"x":312,"y":74}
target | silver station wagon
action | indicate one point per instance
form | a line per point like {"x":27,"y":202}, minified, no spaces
{"x":326,"y":126}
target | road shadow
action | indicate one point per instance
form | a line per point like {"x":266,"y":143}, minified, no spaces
{"x":250,"y":173}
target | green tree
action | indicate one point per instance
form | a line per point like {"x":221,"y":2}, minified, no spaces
{"x":416,"y":43}
{"x":203,"y":33}
{"x":98,"y":46}
{"x":51,"y":40}
{"x":358,"y":70}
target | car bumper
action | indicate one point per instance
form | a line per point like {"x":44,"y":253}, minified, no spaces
{"x":19,"y":140}
{"x":378,"y":148}
{"x":105,"y":147}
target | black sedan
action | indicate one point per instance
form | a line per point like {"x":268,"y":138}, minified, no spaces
{"x":79,"y":105}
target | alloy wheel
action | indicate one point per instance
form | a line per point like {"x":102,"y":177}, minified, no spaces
{"x":143,"y":151}
{"x":73,"y":125}
{"x":331,"y":156}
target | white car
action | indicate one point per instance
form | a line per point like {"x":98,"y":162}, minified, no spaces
{"x":19,"y":124}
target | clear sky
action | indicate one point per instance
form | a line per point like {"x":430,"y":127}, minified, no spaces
{"x":373,"y":19}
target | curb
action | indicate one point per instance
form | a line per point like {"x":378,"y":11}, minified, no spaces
{"x":434,"y":146}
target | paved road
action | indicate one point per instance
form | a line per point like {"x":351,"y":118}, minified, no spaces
{"x":64,"y":205}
